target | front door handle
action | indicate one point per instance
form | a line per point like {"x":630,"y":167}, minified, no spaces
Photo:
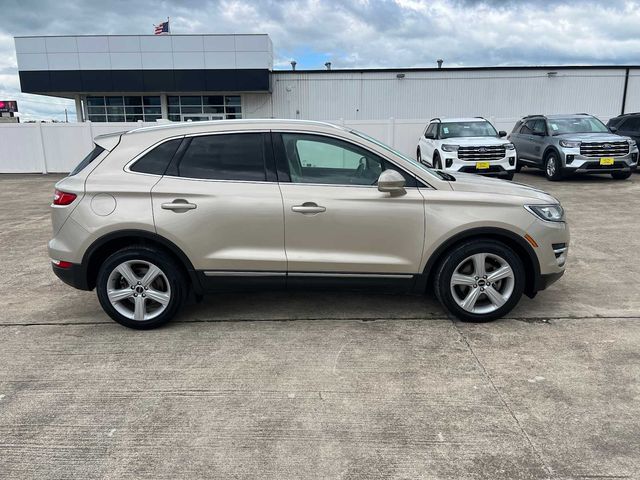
{"x":308,"y":208}
{"x":179,"y":205}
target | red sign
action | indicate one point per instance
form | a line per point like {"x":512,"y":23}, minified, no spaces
{"x":8,"y":106}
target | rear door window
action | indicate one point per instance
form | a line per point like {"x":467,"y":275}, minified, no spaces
{"x":158,"y":159}
{"x":93,"y":154}
{"x":233,"y":156}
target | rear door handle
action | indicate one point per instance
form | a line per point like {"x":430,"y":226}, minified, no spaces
{"x":308,"y":208}
{"x":179,"y":205}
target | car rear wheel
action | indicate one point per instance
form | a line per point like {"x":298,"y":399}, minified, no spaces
{"x":480,"y":281}
{"x":140,"y":287}
{"x":621,"y":175}
{"x":552,"y":167}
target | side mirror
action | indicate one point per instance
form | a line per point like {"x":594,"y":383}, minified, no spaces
{"x":502,"y":133}
{"x":613,"y":129}
{"x":391,"y":182}
{"x":430,"y":135}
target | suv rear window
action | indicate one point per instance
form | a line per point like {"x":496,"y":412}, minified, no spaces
{"x":157,"y":160}
{"x":234,"y":156}
{"x":93,"y":154}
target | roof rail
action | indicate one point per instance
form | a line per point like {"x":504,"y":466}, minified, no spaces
{"x":435,"y":118}
{"x":582,"y":113}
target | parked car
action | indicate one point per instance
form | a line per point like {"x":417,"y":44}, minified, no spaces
{"x":470,"y":145}
{"x":627,"y":125}
{"x":578,"y":143}
{"x":156,"y":213}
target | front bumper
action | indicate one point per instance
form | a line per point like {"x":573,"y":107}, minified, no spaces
{"x":502,"y":167}
{"x":574,"y":162}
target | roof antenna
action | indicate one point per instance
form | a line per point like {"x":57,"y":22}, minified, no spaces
{"x":328,"y":65}
{"x":440,"y":61}
{"x":293,"y":64}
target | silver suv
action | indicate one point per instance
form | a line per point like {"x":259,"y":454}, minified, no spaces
{"x":579,"y":143}
{"x":158,"y":214}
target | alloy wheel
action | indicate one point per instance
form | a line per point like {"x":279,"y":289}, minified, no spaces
{"x":482,"y":283}
{"x":551,"y":166}
{"x":138,"y":290}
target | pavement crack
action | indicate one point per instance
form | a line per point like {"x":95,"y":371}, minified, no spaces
{"x":506,"y":405}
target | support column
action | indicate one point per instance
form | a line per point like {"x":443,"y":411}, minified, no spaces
{"x":164,"y":109}
{"x":79,"y":112}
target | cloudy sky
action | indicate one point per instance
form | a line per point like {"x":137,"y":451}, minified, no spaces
{"x":356,"y":33}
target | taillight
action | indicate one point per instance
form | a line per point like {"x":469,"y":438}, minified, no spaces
{"x":61,"y":263}
{"x":63,"y":198}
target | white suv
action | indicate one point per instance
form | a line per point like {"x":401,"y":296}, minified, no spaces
{"x":469,"y":145}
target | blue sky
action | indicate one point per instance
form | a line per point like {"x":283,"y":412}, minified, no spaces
{"x":350,"y":34}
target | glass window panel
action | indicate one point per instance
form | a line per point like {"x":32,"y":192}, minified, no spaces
{"x":233,"y":117}
{"x":188,"y":100}
{"x":173,"y":100}
{"x":191,"y":110}
{"x":232,"y":99}
{"x":153,"y":100}
{"x":174,"y":110}
{"x":213,"y":100}
{"x":134,"y":118}
{"x":116,"y":118}
{"x":133,"y":100}
{"x":95,"y":101}
{"x":174,"y":118}
{"x":133,"y":110}
{"x":114,"y":101}
{"x":233,"y":109}
{"x":213,"y":109}
{"x":152,"y":118}
{"x":157,"y":160}
{"x":96,"y":111}
{"x":237,"y":156}
{"x":97,"y":118}
{"x":152,"y":110}
{"x":115,"y":110}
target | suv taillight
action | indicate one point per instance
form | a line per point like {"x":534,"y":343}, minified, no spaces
{"x":63,"y":198}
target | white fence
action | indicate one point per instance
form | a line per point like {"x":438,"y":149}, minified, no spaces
{"x":58,"y":147}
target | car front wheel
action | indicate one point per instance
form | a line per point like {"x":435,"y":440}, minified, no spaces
{"x":140,"y":287}
{"x":552,"y":167}
{"x":480,"y":280}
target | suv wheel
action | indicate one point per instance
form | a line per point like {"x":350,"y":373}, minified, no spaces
{"x":552,"y":167}
{"x":621,"y":175}
{"x":480,"y":280}
{"x":140,"y":287}
{"x":518,"y":166}
{"x":437,"y":164}
{"x":509,"y":176}
{"x":419,"y":156}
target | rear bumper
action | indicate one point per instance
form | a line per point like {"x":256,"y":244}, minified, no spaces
{"x":74,"y":276}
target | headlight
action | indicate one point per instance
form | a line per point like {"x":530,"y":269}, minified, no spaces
{"x":550,"y":213}
{"x":509,"y":146}
{"x":450,"y":148}
{"x":569,"y":144}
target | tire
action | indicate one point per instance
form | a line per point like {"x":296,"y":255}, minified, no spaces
{"x":509,"y":176}
{"x":437,"y":163}
{"x":621,"y":175}
{"x":154,"y":301}
{"x":518,"y":166}
{"x":462,"y":260}
{"x":419,"y":156}
{"x":552,"y":167}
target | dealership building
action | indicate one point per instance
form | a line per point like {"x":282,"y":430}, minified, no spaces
{"x":130,"y":78}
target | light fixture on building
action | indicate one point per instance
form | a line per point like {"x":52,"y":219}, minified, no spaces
{"x":328,"y":65}
{"x":399,"y":75}
{"x":440,"y":62}
{"x":293,"y":64}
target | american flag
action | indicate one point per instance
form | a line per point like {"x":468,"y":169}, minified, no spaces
{"x":162,"y":28}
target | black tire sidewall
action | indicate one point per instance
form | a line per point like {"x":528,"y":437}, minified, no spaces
{"x":558,"y":174}
{"x":163,"y":261}
{"x":436,"y":161}
{"x":457,"y":255}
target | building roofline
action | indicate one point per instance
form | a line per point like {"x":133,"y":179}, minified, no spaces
{"x":460,"y":69}
{"x":148,"y":35}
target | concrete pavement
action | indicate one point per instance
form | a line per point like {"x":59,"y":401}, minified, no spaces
{"x":326,"y":385}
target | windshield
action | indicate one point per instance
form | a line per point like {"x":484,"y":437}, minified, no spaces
{"x":561,"y":126}
{"x":467,"y":129}
{"x":413,"y":162}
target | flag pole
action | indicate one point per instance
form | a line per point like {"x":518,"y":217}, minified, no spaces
{"x":168,"y":26}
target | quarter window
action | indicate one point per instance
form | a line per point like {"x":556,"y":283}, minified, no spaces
{"x":157,"y":160}
{"x":325,"y":160}
{"x":238,"y":156}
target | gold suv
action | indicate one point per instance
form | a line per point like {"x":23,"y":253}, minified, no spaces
{"x":155,"y":215}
